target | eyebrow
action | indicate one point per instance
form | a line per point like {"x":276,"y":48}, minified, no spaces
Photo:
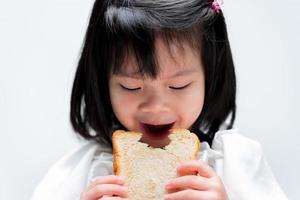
{"x":137,"y":75}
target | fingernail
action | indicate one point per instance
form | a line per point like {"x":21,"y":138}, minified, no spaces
{"x":168,"y":185}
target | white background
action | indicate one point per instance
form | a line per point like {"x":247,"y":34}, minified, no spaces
{"x":40,"y":43}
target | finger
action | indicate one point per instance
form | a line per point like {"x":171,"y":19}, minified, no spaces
{"x":191,"y":182}
{"x":197,"y":166}
{"x":111,"y":179}
{"x":112,"y":198}
{"x":106,"y":189}
{"x":188,"y":195}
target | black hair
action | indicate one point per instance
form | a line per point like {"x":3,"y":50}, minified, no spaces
{"x":119,"y":27}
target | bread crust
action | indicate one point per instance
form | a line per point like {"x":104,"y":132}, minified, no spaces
{"x":116,"y":151}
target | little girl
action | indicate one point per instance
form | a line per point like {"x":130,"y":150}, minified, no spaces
{"x":151,"y":65}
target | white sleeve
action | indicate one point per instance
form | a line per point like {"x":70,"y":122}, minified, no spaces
{"x":102,"y":165}
{"x":240,"y":163}
{"x":67,"y":178}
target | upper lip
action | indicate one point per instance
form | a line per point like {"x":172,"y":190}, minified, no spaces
{"x":156,"y":119}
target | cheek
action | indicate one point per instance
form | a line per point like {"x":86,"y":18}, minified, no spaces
{"x":123,"y":107}
{"x":191,"y":107}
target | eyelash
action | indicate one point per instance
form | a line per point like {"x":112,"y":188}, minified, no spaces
{"x":179,"y":88}
{"x":171,"y":87}
{"x":130,"y":89}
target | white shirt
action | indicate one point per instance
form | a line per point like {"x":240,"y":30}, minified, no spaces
{"x":237,"y":160}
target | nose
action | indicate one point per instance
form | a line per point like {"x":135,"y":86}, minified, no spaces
{"x":154,"y":103}
{"x":156,"y":109}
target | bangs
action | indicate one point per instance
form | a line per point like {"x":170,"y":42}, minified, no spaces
{"x":139,"y":46}
{"x":133,"y":30}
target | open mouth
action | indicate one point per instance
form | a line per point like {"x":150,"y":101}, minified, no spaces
{"x":157,"y":131}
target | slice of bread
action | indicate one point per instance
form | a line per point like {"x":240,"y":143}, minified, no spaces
{"x":147,"y":169}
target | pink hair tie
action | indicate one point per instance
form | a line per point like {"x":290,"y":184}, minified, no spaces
{"x":216,"y":5}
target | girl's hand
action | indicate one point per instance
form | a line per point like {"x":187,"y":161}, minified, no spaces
{"x":107,"y":187}
{"x":198,"y":182}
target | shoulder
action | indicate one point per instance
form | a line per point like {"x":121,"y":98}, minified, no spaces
{"x":229,"y":148}
{"x":232,"y":138}
{"x":67,"y":177}
{"x":80,"y":156}
{"x":239,"y":159}
{"x":237,"y":150}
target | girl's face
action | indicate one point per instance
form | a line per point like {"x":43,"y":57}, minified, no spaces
{"x":152,"y":106}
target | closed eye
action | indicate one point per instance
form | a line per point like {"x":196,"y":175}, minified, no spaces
{"x":179,"y":88}
{"x":130,"y":89}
